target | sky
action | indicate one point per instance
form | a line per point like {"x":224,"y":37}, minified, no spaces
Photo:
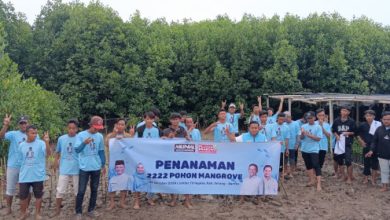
{"x":196,"y":10}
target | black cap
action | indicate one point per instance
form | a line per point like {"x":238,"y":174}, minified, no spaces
{"x":370,"y":112}
{"x":23,"y":118}
{"x":175,"y":115}
{"x":310,"y":114}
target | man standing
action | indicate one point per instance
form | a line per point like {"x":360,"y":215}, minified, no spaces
{"x":366,"y":133}
{"x":344,"y":125}
{"x":68,"y":162}
{"x":311,"y":135}
{"x":220,"y":127}
{"x":32,"y":153}
{"x":381,"y":146}
{"x":13,"y":164}
{"x":283,"y":136}
{"x":232,"y":116}
{"x":293,"y":141}
{"x":324,"y":143}
{"x":192,"y":131}
{"x":267,"y":129}
{"x":272,"y":118}
{"x":253,"y":136}
{"x":90,"y":147}
{"x":177,"y":131}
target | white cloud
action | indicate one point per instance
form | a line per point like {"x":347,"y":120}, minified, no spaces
{"x":209,"y":9}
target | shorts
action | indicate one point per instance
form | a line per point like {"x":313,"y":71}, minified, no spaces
{"x":63,"y":183}
{"x":12,"y":181}
{"x":322,"y":155}
{"x":24,"y":190}
{"x":345,"y":158}
{"x":312,"y":162}
{"x":291,"y":157}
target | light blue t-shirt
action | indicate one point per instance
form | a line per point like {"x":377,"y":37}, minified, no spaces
{"x":269,"y":131}
{"x":181,"y":124}
{"x":15,"y":138}
{"x":272,"y":119}
{"x":33,"y":161}
{"x":233,"y":119}
{"x":254,"y":118}
{"x":219,"y":132}
{"x":309,"y":145}
{"x":324,"y":140}
{"x":249,"y":138}
{"x":295,"y":130}
{"x":195,"y":135}
{"x":282,"y":134}
{"x":69,"y":161}
{"x":89,"y":159}
{"x":152,"y":132}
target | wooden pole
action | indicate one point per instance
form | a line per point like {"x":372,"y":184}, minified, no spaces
{"x":357,"y":112}
{"x":331,"y":117}
{"x":267,"y":101}
{"x":289,"y":105}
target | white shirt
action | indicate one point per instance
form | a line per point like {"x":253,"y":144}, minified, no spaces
{"x":268,"y":186}
{"x":121,"y":182}
{"x":250,"y":186}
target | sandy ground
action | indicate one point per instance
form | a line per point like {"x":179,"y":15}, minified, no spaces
{"x":337,"y":201}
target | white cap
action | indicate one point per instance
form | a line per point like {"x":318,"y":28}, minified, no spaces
{"x":232,"y":105}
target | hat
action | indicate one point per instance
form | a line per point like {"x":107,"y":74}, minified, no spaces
{"x":232,"y":105}
{"x":346,"y":107}
{"x":370,"y":112}
{"x":175,"y":115}
{"x":310,"y":115}
{"x":96,"y":122}
{"x":23,"y":118}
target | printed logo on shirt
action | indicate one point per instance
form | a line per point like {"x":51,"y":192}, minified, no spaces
{"x":30,"y":161}
{"x":232,"y":119}
{"x":342,"y":128}
{"x":69,"y":151}
{"x":207,"y":148}
{"x":184,"y":147}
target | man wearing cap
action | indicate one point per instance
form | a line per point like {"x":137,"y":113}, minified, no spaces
{"x":13,"y":163}
{"x":90,"y":147}
{"x":366,"y":133}
{"x":311,"y":134}
{"x":345,"y":126}
{"x":233,"y":117}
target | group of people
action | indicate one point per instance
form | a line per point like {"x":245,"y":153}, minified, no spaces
{"x":81,"y":156}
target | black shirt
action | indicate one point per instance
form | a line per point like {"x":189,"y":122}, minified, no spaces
{"x":363,"y":133}
{"x":340,"y":126}
{"x":381,"y":143}
{"x":180,"y":132}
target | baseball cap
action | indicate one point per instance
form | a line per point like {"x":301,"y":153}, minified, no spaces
{"x":370,"y":112}
{"x":96,"y":122}
{"x":310,"y":114}
{"x":232,"y":105}
{"x":23,"y":118}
